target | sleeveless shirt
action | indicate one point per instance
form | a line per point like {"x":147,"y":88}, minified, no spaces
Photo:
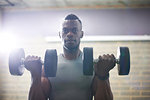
{"x":70,"y":83}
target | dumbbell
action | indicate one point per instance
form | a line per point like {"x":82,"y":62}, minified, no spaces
{"x":17,"y":57}
{"x":122,"y":60}
{"x":16,"y":62}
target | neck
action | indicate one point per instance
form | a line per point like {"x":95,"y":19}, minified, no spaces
{"x":71,"y":55}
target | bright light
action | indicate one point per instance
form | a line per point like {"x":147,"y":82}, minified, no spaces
{"x":105,"y":38}
{"x":7,"y":42}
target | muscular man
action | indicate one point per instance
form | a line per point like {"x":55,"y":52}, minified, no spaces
{"x":70,"y":83}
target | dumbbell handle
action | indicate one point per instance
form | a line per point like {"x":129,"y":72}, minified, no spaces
{"x":23,"y":60}
{"x":116,"y":61}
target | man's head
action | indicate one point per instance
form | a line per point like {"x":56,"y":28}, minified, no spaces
{"x":71,"y":32}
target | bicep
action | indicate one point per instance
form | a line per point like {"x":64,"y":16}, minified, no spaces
{"x":45,"y":83}
{"x":46,"y":86}
{"x":101,"y":89}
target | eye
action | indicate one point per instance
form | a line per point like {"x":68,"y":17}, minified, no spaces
{"x":74,"y":30}
{"x":65,"y":30}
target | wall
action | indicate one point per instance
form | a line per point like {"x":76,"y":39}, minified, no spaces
{"x":95,"y":21}
{"x":135,"y":86}
{"x":35,"y":24}
{"x":1,"y":61}
{"x":0,"y":18}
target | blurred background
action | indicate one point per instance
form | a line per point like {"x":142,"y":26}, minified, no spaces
{"x":107,"y":24}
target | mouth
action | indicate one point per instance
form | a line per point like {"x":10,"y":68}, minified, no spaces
{"x":70,"y":41}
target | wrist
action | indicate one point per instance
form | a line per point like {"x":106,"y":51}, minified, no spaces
{"x":36,"y":77}
{"x":36,"y":80}
{"x":102,"y":77}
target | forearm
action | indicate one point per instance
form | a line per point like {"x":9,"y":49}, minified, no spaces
{"x":101,"y":89}
{"x":36,"y":91}
{"x":40,"y":88}
{"x":40,"y":85}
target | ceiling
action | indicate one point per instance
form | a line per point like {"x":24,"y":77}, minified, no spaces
{"x":78,"y":4}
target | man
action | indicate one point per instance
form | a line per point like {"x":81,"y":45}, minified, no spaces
{"x":70,"y":83}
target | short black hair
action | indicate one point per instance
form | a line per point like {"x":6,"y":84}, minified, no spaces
{"x":72,"y":17}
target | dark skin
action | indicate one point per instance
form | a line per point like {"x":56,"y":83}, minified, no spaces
{"x":70,"y":35}
{"x":40,"y":86}
{"x":71,"y":40}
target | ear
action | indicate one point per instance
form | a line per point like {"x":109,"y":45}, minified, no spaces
{"x":81,"y":34}
{"x":59,"y":35}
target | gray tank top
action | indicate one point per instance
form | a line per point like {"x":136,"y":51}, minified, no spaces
{"x":70,"y":83}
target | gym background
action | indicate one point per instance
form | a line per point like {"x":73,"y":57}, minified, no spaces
{"x":34,"y":26}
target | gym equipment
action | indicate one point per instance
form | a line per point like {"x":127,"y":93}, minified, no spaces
{"x":17,"y":57}
{"x":123,"y":61}
{"x":15,"y":62}
{"x":88,"y":61}
{"x":50,"y":63}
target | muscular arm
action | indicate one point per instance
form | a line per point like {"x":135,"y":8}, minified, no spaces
{"x":40,"y":88}
{"x":101,"y":89}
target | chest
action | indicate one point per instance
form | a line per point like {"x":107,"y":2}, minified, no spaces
{"x":70,"y":81}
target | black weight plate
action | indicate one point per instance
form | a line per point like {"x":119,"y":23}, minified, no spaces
{"x":88,"y":61}
{"x":15,"y":66}
{"x":50,"y":63}
{"x":124,"y":61}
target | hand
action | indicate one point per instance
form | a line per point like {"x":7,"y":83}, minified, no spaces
{"x":34,"y":65}
{"x":104,"y":65}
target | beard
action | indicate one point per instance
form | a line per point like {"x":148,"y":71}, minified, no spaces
{"x":71,"y":48}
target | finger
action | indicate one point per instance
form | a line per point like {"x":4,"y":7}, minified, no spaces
{"x":33,"y":57}
{"x":109,"y":58}
{"x":37,"y":58}
{"x":112,"y":56}
{"x":100,"y":58}
{"x":113,"y":60}
{"x":96,"y":67}
{"x":28,"y":58}
{"x":104,"y":57}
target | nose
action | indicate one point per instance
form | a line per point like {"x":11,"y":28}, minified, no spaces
{"x":70,"y":34}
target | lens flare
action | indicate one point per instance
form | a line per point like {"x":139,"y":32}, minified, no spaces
{"x":7,"y":42}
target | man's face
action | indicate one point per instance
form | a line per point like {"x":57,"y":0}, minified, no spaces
{"x":71,"y":34}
